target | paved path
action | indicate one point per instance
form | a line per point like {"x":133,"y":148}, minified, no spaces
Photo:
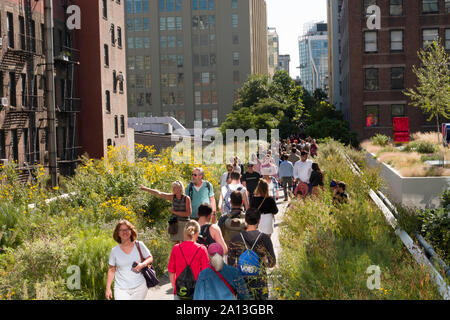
{"x":164,"y":290}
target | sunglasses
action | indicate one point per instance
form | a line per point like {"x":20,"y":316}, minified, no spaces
{"x":194,"y":175}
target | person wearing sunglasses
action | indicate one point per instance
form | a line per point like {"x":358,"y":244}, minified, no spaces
{"x":200,"y":191}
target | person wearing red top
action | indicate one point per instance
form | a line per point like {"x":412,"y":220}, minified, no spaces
{"x":194,"y":254}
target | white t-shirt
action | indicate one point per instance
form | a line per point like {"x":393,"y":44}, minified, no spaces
{"x":302,"y":170}
{"x":233,"y":187}
{"x":125,"y":277}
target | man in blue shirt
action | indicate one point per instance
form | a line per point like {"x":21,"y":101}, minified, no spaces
{"x":200,"y":192}
{"x":220,"y":281}
{"x":286,"y":175}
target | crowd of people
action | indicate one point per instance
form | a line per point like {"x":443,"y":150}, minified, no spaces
{"x":223,"y":256}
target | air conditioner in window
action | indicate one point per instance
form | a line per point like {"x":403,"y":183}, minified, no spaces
{"x":4,"y":102}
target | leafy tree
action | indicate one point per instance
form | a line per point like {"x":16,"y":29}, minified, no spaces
{"x":432,"y":94}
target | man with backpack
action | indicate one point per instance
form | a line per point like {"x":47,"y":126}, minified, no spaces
{"x":235,"y":185}
{"x":200,"y":192}
{"x":233,"y":222}
{"x":251,"y":251}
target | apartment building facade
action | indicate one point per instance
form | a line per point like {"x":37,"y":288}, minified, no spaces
{"x":188,"y":58}
{"x":273,"y":50}
{"x":100,"y":40}
{"x":377,"y":65}
{"x":284,"y":61}
{"x":23,"y":113}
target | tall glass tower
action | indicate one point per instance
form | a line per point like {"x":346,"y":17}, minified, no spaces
{"x":313,"y":50}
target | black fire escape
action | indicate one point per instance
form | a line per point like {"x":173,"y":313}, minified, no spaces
{"x":15,"y":56}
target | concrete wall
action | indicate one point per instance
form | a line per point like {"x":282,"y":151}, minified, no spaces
{"x":421,"y":192}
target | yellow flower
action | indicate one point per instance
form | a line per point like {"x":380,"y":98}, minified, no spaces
{"x":297,"y":293}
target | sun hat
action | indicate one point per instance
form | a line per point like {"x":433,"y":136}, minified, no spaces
{"x":215,"y":248}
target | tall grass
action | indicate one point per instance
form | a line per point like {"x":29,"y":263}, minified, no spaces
{"x":326,"y":250}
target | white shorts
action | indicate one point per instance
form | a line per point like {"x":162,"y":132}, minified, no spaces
{"x":266,"y":224}
{"x":138,"y":293}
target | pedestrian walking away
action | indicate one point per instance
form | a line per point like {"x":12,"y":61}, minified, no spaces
{"x":267,"y":207}
{"x":209,"y":233}
{"x":286,"y":175}
{"x":186,"y":261}
{"x":220,"y":281}
{"x":251,"y":251}
{"x":181,"y":209}
{"x":125,"y":265}
{"x":235,"y":185}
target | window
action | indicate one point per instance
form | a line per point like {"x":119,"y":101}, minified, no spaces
{"x":178,"y":5}
{"x":447,"y":6}
{"x":106,"y":55}
{"x":148,"y":98}
{"x":105,"y":8}
{"x":179,"y":61}
{"x":212,"y":59}
{"x":170,"y":5}
{"x":147,"y":62}
{"x":138,"y":43}
{"x":234,"y":20}
{"x":204,"y":60}
{"x":197,"y":79}
{"x":205,"y":78}
{"x":10,"y":27}
{"x":367,"y":4}
{"x":130,"y":25}
{"x":119,"y":37}
{"x":146,"y":42}
{"x":179,"y":41}
{"x":197,"y":97}
{"x":235,"y":39}
{"x":396,"y":7}
{"x":234,"y":4}
{"x":170,"y":23}
{"x":214,"y":97}
{"x":162,"y":23}
{"x":371,"y":79}
{"x":398,"y":110}
{"x":397,"y":40}
{"x":447,"y":39}
{"x":163,"y":42}
{"x":2,"y":144}
{"x":108,"y":101}
{"x":121,"y":86}
{"x":372,"y":116}
{"x":180,"y":79}
{"x":194,"y":4}
{"x":130,"y":43}
{"x":179,"y":23}
{"x":236,"y":79}
{"x":198,"y":115}
{"x":137,"y":6}
{"x":114,"y":81}
{"x":171,"y":41}
{"x":146,"y":24}
{"x":428,"y":36}
{"x":122,"y":124}
{"x":210,"y":4}
{"x":430,"y":6}
{"x":370,"y":41}
{"x":15,"y":144}
{"x":397,"y":75}
{"x":215,"y":118}
{"x":202,"y":4}
{"x":145,"y":6}
{"x":22,"y":32}
{"x":131,"y":62}
{"x":139,"y":62}
{"x":137,"y":24}
{"x":148,"y":81}
{"x":23,"y":77}
{"x":206,"y":97}
{"x":113,"y":35}
{"x":109,"y":142}
{"x":129,"y":6}
{"x":12,"y":89}
{"x":235,"y":58}
{"x":116,"y":126}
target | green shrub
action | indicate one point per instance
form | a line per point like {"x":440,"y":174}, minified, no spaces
{"x":421,"y":147}
{"x":436,"y":229}
{"x":380,"y":140}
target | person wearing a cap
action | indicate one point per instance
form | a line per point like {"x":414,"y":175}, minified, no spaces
{"x":220,"y":281}
{"x":250,"y":179}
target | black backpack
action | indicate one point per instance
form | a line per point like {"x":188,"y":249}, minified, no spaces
{"x":185,"y":284}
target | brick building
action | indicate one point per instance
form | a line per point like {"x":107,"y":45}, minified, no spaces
{"x":375,"y":66}
{"x":90,"y":96}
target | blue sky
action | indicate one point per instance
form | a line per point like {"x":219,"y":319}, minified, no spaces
{"x":288,"y":17}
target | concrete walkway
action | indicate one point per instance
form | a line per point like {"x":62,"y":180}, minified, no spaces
{"x":164,"y":290}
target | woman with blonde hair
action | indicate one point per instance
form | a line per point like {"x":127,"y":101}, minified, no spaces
{"x":125,"y":264}
{"x":266,"y":205}
{"x":188,"y":253}
{"x":181,"y":209}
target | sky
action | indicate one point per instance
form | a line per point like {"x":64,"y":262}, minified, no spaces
{"x":288,"y":17}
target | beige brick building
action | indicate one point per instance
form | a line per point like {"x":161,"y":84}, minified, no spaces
{"x":188,"y":58}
